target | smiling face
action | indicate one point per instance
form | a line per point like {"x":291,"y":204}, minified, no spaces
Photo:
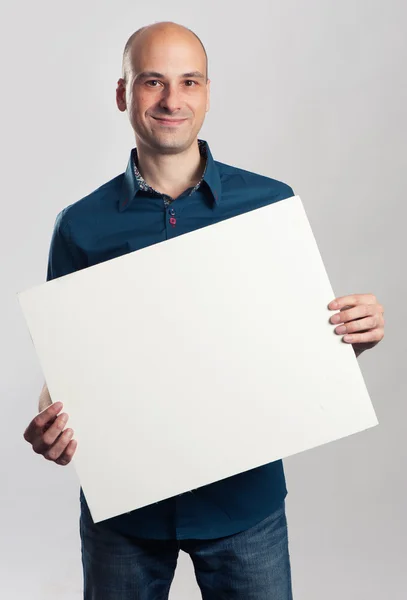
{"x":165,"y":79}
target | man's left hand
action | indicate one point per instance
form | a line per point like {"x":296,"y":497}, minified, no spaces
{"x":360,"y":318}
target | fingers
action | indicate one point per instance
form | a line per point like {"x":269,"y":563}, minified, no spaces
{"x":41,"y":420}
{"x":352,"y":300}
{"x":367,"y":337}
{"x":46,"y":436}
{"x":360,"y":320}
{"x":59,"y":447}
{"x":50,"y":435}
{"x":67,"y":455}
{"x":366,"y":324}
{"x":357,"y":312}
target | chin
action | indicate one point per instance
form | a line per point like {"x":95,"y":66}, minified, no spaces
{"x":171,"y":141}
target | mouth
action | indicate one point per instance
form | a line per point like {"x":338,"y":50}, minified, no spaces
{"x":169,"y":122}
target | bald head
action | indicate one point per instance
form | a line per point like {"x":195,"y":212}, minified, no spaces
{"x":147,"y":34}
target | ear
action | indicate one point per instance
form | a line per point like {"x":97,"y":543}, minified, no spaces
{"x":121,"y":95}
{"x":208,"y":99}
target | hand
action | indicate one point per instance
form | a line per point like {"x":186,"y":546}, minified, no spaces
{"x":362,"y":317}
{"x":45,"y":434}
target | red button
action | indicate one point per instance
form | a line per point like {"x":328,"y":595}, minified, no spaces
{"x":173,"y":221}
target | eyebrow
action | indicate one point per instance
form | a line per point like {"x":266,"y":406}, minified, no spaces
{"x":144,"y":74}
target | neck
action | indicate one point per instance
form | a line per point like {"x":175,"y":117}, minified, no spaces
{"x":170,"y":174}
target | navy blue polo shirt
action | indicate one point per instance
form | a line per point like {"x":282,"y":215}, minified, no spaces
{"x":126,"y":214}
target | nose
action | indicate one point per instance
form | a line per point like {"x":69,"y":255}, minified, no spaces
{"x":170,"y":99}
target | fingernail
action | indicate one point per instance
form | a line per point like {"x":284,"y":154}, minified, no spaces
{"x":348,"y":338}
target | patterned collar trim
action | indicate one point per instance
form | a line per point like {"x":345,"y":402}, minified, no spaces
{"x":147,"y":188}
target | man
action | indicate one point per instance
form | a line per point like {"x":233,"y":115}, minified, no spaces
{"x":234,"y":530}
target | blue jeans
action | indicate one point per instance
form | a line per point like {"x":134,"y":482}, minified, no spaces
{"x":251,"y":565}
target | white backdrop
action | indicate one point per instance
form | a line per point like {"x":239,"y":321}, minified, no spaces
{"x":313,"y":94}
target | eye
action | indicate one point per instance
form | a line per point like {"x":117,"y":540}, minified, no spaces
{"x":150,"y":81}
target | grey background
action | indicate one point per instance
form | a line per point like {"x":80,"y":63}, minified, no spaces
{"x":311,"y":93}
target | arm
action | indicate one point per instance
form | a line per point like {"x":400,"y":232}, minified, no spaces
{"x":46,"y":432}
{"x":64,"y":257}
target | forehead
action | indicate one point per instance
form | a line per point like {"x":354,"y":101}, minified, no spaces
{"x":167,"y":53}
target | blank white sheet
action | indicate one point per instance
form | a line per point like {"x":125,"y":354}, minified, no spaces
{"x":197,"y":358}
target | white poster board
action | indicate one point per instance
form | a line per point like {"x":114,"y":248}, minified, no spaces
{"x":197,"y":358}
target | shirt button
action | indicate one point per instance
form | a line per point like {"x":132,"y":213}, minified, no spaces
{"x":172,"y":212}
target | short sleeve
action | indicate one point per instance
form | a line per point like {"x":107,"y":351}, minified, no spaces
{"x":288,"y":191}
{"x":64,"y":256}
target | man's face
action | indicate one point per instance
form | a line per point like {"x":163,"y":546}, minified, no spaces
{"x":167,"y":80}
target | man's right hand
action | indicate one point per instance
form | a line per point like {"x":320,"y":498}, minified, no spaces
{"x":45,"y":434}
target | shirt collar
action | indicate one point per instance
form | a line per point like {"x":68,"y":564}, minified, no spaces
{"x":133,"y":182}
